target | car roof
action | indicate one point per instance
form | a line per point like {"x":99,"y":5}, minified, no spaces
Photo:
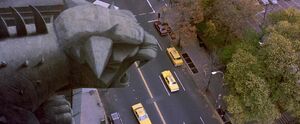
{"x":265,"y":2}
{"x":115,"y":115}
{"x":171,"y":79}
{"x":174,"y":52}
{"x":140,"y":111}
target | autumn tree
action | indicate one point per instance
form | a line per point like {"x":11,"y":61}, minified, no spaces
{"x":185,"y":15}
{"x":231,"y":15}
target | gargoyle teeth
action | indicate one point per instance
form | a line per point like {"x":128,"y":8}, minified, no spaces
{"x":20,"y":23}
{"x":97,"y":53}
{"x":39,"y":21}
{"x":3,"y":29}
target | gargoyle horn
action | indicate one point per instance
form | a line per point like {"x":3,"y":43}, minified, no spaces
{"x":3,"y":29}
{"x":39,"y":21}
{"x":97,"y":53}
{"x":20,"y":23}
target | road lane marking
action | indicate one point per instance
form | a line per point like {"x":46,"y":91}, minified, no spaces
{"x":142,"y":14}
{"x":164,"y":85}
{"x":149,"y":92}
{"x":150,"y":21}
{"x":280,"y":6}
{"x":145,"y":13}
{"x":179,"y":81}
{"x":159,"y":46}
{"x":152,"y":12}
{"x":202,"y":120}
{"x":150,"y":6}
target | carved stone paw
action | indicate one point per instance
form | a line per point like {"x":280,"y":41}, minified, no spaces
{"x":57,"y":110}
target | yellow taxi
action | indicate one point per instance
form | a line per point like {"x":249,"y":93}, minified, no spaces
{"x":140,"y":114}
{"x":175,"y":56}
{"x":170,"y":80}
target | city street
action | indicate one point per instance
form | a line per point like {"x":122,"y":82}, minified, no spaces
{"x":186,"y":106}
{"x":256,"y":21}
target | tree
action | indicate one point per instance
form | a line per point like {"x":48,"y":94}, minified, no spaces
{"x":232,"y":14}
{"x":291,"y":15}
{"x":263,"y":81}
{"x":279,"y":59}
{"x":185,"y":15}
{"x":248,"y":98}
{"x":210,"y":30}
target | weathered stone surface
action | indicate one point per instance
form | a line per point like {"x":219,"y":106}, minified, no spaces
{"x":97,"y":51}
{"x":87,"y":46}
{"x":57,"y":109}
{"x":78,"y":23}
{"x":120,"y":26}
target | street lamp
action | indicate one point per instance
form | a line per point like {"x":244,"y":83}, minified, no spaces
{"x":213,"y":73}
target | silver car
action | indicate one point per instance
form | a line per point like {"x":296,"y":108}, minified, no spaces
{"x":274,"y":1}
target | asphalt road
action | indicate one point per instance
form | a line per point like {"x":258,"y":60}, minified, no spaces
{"x":187,"y":106}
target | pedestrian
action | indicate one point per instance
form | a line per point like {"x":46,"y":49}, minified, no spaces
{"x":158,"y":16}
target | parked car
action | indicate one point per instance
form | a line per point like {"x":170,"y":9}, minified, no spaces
{"x":274,"y":1}
{"x":170,"y":81}
{"x":174,"y":56}
{"x":162,"y":28}
{"x":264,"y":2}
{"x":141,"y":114}
{"x":115,"y":118}
{"x":106,"y":5}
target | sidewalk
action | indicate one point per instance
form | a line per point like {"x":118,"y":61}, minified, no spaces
{"x":87,"y":106}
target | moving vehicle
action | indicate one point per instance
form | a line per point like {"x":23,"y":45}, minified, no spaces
{"x":175,"y":56}
{"x":115,"y":118}
{"x":170,"y":81}
{"x":162,"y":28}
{"x":141,"y":114}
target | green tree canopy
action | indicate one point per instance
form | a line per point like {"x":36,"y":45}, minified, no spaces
{"x":262,"y":81}
{"x":249,"y":95}
{"x":291,"y":15}
{"x":280,"y":59}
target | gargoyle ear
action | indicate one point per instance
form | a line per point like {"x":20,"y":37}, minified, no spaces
{"x":97,"y":51}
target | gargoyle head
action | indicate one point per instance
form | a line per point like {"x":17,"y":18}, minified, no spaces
{"x":107,"y":41}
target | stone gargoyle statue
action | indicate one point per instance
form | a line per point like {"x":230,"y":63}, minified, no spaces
{"x":85,"y":46}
